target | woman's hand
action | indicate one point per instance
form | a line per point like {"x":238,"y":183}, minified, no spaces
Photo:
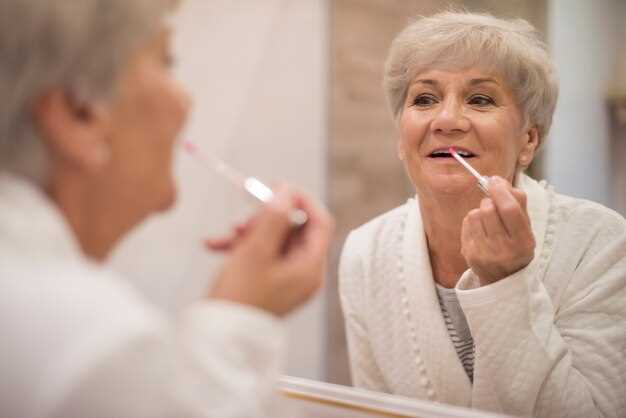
{"x":271,"y":265}
{"x":497,"y":239}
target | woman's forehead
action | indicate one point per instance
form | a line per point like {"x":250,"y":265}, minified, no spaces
{"x":472,"y":76}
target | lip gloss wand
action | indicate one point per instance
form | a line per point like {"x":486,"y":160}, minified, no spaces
{"x":250,"y":185}
{"x":482,"y":180}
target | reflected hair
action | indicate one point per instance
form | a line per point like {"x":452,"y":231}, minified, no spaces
{"x":452,"y":40}
{"x":78,"y":46}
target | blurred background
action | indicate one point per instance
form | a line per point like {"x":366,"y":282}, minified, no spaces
{"x":292,"y":90}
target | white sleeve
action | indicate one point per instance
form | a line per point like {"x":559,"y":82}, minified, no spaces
{"x":553,"y":358}
{"x":218,"y":360}
{"x":363,"y":367}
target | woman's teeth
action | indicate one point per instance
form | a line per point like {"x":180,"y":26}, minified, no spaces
{"x":446,"y":154}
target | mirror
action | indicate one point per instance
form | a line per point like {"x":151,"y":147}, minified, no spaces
{"x":297,"y":95}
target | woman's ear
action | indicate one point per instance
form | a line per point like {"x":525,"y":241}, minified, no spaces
{"x":75,"y":133}
{"x":529,"y":147}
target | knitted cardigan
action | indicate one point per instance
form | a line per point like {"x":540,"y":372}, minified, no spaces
{"x":550,"y":339}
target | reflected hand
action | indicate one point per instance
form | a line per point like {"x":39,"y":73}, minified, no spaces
{"x":271,"y":265}
{"x":227,"y":242}
{"x":496,"y":238}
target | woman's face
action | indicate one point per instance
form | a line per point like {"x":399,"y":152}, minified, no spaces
{"x":471,"y":110}
{"x":147,"y":114}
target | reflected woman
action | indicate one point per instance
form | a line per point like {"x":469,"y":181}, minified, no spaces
{"x":513,"y":301}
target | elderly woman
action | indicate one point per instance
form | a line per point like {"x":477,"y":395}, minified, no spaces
{"x":513,"y":301}
{"x":88,"y":124}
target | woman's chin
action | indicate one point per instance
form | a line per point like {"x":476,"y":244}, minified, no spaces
{"x":451,"y":185}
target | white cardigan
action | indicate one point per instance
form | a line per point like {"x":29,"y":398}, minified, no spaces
{"x":550,"y":339}
{"x":76,"y":340}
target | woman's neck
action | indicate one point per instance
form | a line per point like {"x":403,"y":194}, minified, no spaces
{"x":442,"y":218}
{"x":97,"y":223}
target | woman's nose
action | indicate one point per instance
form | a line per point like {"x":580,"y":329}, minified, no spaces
{"x":450,"y":118}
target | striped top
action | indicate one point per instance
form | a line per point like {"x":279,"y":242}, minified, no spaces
{"x":457,"y":328}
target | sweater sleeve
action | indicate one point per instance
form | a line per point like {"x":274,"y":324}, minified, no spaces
{"x":217,"y":359}
{"x":537,"y":356}
{"x":363,"y":367}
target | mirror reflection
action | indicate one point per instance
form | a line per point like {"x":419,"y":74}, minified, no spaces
{"x":498,"y":297}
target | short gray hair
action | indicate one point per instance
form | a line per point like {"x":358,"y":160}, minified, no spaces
{"x":79,"y":46}
{"x":511,"y":49}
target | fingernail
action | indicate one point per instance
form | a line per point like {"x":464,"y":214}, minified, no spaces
{"x":496,"y":180}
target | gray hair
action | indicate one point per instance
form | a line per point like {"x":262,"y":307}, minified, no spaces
{"x":79,"y":46}
{"x":510,"y":49}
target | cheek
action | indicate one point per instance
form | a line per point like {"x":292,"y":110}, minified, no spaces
{"x":175,"y":102}
{"x":505,"y":146}
{"x":412,"y":131}
{"x":156,"y":116}
{"x":162,"y":121}
{"x":165,"y":111}
{"x":159,"y":105}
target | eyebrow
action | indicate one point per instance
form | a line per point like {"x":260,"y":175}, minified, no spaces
{"x":476,"y":81}
{"x":426,"y":81}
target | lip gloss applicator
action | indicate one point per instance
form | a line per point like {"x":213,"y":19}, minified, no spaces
{"x":250,"y":185}
{"x":482,"y":180}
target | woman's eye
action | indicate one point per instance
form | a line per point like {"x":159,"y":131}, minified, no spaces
{"x":480,"y":100}
{"x":424,"y":100}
